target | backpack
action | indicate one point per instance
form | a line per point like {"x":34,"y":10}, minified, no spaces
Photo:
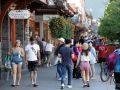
{"x":111,"y":60}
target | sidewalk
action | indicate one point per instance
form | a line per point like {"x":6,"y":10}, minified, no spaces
{"x":47,"y":81}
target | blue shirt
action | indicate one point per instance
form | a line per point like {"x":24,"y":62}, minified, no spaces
{"x":66,"y":54}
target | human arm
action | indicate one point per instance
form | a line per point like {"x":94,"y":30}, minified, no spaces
{"x":22,"y":52}
{"x":78,"y":60}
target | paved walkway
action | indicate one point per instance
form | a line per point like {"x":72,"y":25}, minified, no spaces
{"x":47,"y":81}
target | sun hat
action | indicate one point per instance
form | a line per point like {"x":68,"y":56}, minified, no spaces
{"x":85,"y":46}
{"x":61,"y":39}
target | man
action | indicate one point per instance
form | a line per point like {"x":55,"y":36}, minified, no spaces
{"x":32,"y":57}
{"x":66,"y":54}
{"x":102,"y":51}
{"x":117,"y":69}
{"x":59,"y":65}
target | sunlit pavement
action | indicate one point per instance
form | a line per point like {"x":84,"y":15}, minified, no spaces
{"x":47,"y":81}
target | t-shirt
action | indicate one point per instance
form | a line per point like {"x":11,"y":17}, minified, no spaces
{"x":49,"y":47}
{"x":102,"y":50}
{"x":66,"y":54}
{"x":32,"y":51}
{"x":83,"y":57}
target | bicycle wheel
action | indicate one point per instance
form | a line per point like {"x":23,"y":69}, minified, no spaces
{"x":105,"y":74}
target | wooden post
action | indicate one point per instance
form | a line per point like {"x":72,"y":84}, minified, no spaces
{"x":13,"y":31}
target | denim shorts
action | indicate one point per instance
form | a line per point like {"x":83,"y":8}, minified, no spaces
{"x":13,"y":63}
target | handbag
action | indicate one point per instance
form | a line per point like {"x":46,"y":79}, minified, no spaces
{"x":74,"y":59}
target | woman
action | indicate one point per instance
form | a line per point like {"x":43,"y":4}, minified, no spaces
{"x":84,"y":65}
{"x":92,"y":60}
{"x":17,"y":53}
{"x":48,"y":52}
{"x":117,"y":69}
{"x":76,"y":72}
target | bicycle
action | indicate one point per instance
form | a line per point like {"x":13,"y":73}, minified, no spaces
{"x":106,"y":73}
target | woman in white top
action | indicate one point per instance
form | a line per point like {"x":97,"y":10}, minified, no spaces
{"x":48,"y":52}
{"x":92,"y":60}
{"x":83,"y":63}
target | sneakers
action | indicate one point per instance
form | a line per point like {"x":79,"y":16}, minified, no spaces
{"x":93,"y":78}
{"x":62,"y":86}
{"x":86,"y":85}
{"x":59,"y":79}
{"x":35,"y":85}
{"x":69,"y":86}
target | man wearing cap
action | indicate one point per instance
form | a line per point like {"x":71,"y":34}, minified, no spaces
{"x":59,"y":65}
{"x":67,"y":55}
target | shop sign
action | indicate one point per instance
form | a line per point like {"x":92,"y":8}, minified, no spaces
{"x":48,"y":17}
{"x":19,"y":14}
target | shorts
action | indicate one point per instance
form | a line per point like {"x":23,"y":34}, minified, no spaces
{"x":13,"y":63}
{"x":84,"y":65}
{"x":117,"y":80}
{"x":100,"y":60}
{"x":32,"y":65}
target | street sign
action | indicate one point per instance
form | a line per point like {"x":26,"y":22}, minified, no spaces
{"x":19,"y":14}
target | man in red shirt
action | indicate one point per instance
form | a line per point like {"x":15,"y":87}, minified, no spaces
{"x":102,"y":50}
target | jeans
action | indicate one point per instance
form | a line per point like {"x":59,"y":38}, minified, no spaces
{"x":117,"y":80}
{"x":76,"y":72}
{"x":65,"y":68}
{"x":59,"y":69}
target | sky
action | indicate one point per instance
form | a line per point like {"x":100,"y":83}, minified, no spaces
{"x":77,"y":2}
{"x":96,"y":6}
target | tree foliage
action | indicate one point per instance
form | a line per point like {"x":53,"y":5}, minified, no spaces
{"x":110,"y":23}
{"x":61,"y":27}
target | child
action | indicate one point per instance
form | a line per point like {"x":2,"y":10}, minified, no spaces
{"x":84,"y":65}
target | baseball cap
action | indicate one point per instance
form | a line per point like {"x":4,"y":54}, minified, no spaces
{"x":61,"y":39}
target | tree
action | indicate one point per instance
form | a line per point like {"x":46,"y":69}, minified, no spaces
{"x":61,"y":27}
{"x":110,"y":23}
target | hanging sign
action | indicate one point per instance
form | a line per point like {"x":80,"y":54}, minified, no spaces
{"x":19,"y":14}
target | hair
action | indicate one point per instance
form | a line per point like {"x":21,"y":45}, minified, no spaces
{"x":43,"y":39}
{"x":85,"y":51}
{"x":17,"y":41}
{"x":67,"y":41}
{"x":31,"y":39}
{"x":76,"y":41}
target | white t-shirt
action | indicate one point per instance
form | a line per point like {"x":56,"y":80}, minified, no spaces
{"x":44,"y":43}
{"x":49,"y":47}
{"x":32,"y":51}
{"x":83,"y":57}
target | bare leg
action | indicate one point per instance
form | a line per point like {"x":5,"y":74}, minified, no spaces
{"x":93,"y":71}
{"x":83,"y":77}
{"x":31,"y":77}
{"x":19,"y":73}
{"x":35,"y":77}
{"x":14,"y":70}
{"x":87,"y":75}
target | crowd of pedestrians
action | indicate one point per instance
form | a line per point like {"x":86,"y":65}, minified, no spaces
{"x":73,"y":58}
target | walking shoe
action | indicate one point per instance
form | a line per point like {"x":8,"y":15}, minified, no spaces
{"x":88,"y":85}
{"x":35,"y":85}
{"x":59,"y":79}
{"x":69,"y":86}
{"x":93,"y":78}
{"x":85,"y":85}
{"x":13,"y":85}
{"x":62,"y":86}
